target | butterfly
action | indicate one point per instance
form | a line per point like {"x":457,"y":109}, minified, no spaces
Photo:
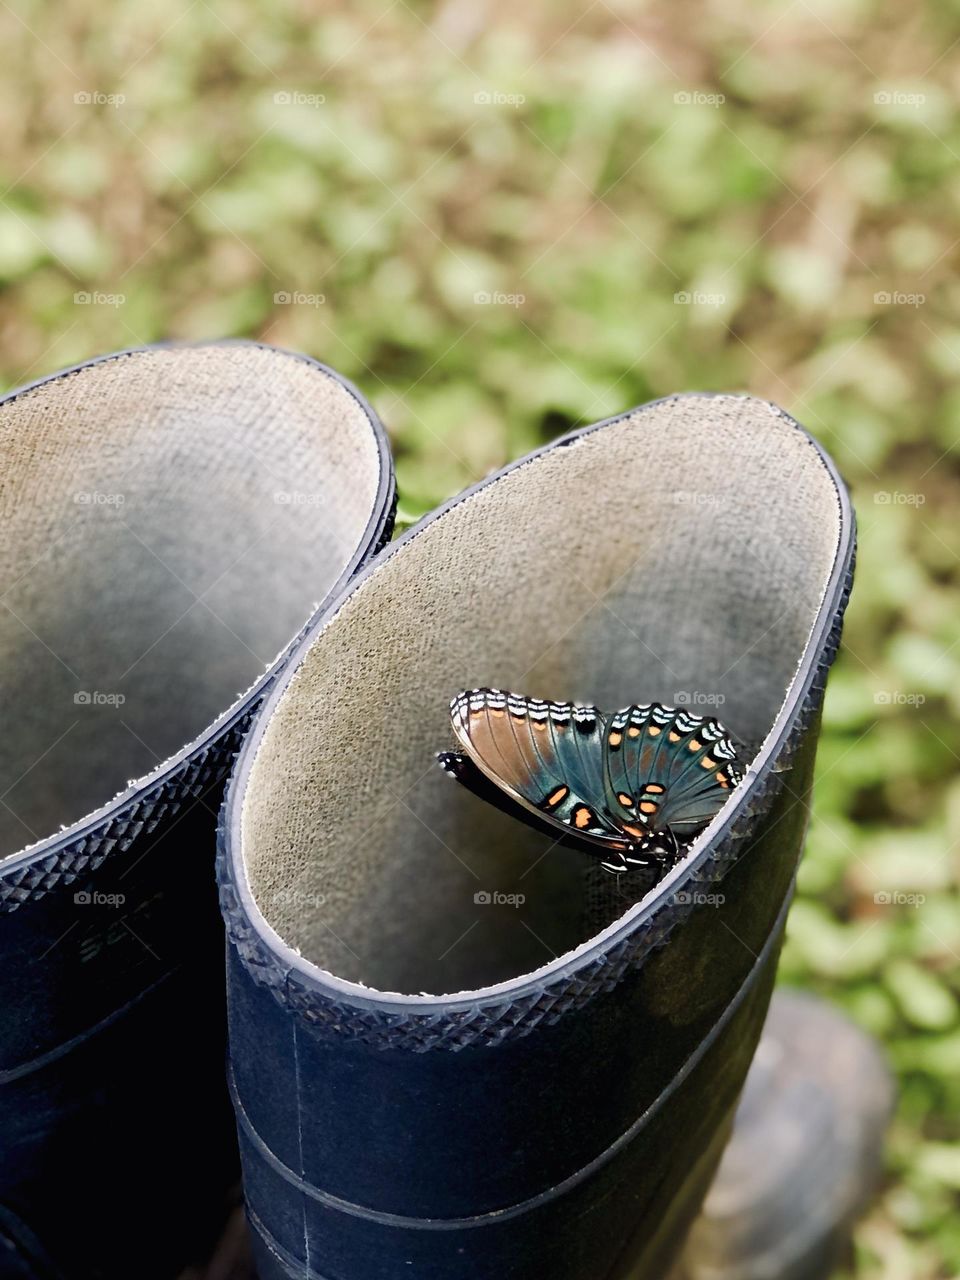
{"x":635,"y":786}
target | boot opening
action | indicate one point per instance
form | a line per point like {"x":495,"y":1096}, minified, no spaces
{"x":172,"y":518}
{"x":679,"y":554}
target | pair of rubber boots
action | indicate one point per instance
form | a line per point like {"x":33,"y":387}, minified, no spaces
{"x":195,"y":568}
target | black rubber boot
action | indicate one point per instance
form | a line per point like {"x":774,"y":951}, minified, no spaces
{"x":805,"y":1155}
{"x":452,"y":1056}
{"x":171,"y":517}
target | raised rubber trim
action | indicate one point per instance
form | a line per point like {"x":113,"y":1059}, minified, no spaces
{"x":9,"y":1074}
{"x":302,"y":1270}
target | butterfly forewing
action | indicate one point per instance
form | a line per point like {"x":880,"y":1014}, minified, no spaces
{"x":547,"y":755}
{"x":667,"y":768}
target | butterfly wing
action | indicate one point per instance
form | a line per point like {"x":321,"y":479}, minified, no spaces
{"x":547,"y":756}
{"x":667,"y":768}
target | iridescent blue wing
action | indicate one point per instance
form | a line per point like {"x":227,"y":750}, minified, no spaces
{"x":547,"y":756}
{"x":667,"y":768}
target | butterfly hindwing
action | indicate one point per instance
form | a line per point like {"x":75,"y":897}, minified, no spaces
{"x":632,"y":747}
{"x":547,"y":755}
{"x":667,"y":768}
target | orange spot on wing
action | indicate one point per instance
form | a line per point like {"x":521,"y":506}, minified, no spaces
{"x":673,"y":737}
{"x":581,"y":818}
{"x":694,"y":745}
{"x":633,"y":732}
{"x":625,"y":800}
{"x":655,"y":787}
{"x":634,"y":831}
{"x":707,"y":763}
{"x":648,"y":806}
{"x":615,"y":739}
{"x":654,"y":730}
{"x":561,"y":793}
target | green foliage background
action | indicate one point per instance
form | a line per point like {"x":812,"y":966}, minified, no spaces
{"x":803,"y":188}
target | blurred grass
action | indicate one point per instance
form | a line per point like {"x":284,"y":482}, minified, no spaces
{"x":574,"y":164}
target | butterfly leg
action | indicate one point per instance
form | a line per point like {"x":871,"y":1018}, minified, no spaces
{"x":616,"y":864}
{"x":674,"y":850}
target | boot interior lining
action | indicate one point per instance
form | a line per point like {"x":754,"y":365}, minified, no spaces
{"x":679,"y":554}
{"x":172,"y":517}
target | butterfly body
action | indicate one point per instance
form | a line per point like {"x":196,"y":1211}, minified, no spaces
{"x":632,"y":786}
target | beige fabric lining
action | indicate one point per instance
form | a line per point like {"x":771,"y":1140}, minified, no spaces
{"x":240,"y":475}
{"x":682,"y":551}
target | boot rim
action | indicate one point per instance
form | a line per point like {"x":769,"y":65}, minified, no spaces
{"x":95,"y":824}
{"x":274,"y":962}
